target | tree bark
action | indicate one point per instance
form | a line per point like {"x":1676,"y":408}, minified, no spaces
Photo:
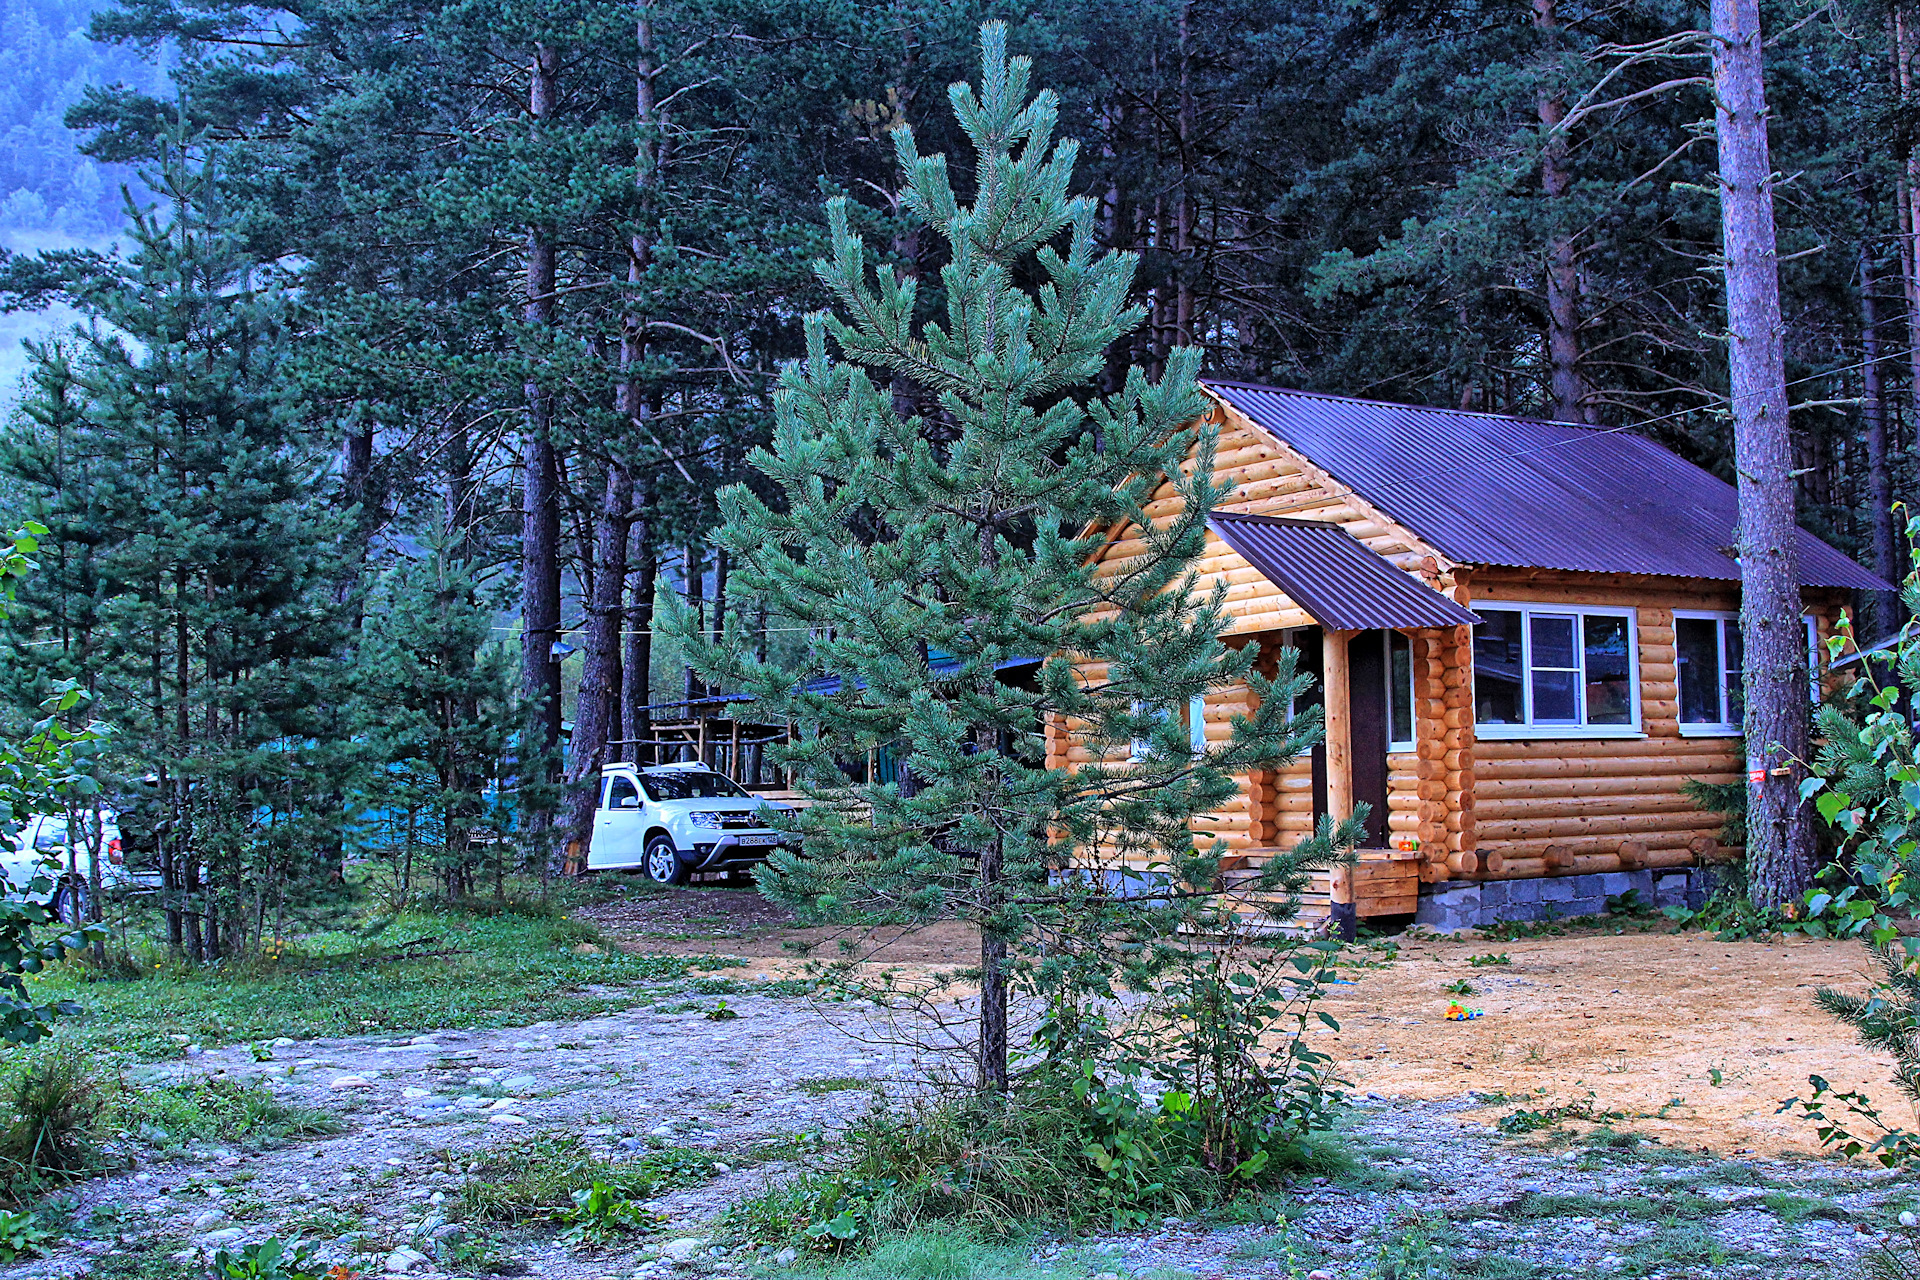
{"x":540,"y":517}
{"x":636,"y":671}
{"x":694,"y":571}
{"x":1885,"y":604}
{"x":1566,"y":386}
{"x":593,"y":715}
{"x":1780,"y":839}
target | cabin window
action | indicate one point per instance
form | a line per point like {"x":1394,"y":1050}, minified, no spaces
{"x":1193,"y":715}
{"x":1547,"y":671}
{"x":1707,"y":653}
{"x":1399,"y":692}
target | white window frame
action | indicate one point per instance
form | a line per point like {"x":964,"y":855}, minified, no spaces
{"x":1731,"y":618}
{"x":1527,"y":608}
{"x":1413,"y":705}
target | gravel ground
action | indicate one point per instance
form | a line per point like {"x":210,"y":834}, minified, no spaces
{"x":1438,"y":1187}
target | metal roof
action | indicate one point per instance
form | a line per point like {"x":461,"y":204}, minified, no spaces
{"x":1332,"y":575}
{"x":1488,"y":489}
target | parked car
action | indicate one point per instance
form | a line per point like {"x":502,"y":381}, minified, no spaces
{"x":673,"y":820}
{"x":46,"y":836}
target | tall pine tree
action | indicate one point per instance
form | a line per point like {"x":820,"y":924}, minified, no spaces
{"x":931,"y":553}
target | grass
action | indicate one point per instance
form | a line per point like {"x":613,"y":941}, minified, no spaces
{"x":819,"y":1085}
{"x":509,"y":968}
{"x":948,"y":1255}
{"x":211,"y":1108}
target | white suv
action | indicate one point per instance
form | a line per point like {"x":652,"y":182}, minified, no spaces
{"x":46,"y":836}
{"x":672,"y":820}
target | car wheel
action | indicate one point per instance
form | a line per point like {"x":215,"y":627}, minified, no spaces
{"x":69,"y":903}
{"x":664,"y":863}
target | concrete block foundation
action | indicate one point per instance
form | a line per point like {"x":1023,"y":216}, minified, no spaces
{"x":1454,"y":905}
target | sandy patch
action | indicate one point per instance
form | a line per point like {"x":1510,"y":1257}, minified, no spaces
{"x":1638,"y":1020}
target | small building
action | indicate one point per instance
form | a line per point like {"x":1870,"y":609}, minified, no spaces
{"x":1526,"y":636}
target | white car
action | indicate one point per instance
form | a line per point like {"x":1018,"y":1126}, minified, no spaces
{"x":672,"y":820}
{"x":46,"y":836}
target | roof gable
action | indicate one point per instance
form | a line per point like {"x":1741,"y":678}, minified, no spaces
{"x":1519,"y":492}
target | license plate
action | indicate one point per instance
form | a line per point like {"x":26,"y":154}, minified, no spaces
{"x":766,"y":839}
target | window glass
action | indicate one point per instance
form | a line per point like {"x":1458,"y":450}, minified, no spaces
{"x":1197,"y":724}
{"x":1735,"y":686}
{"x":1498,"y":651}
{"x":1399,"y":687}
{"x":52,"y":835}
{"x":1609,"y":669}
{"x":688,"y":785}
{"x":1696,"y":645}
{"x":1556,"y":672}
{"x":622,"y":794}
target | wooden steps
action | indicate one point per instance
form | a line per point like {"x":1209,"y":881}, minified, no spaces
{"x":1381,"y":882}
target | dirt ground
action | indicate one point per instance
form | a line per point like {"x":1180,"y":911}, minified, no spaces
{"x":1638,"y":1020}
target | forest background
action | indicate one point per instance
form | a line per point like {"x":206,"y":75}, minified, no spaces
{"x":433,"y":330}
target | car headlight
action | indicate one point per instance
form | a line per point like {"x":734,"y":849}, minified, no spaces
{"x":705,"y":818}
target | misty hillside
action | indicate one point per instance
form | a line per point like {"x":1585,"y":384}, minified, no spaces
{"x":49,"y":192}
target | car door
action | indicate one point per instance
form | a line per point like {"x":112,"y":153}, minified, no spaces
{"x":619,"y":825}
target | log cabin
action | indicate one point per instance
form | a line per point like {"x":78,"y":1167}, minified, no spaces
{"x":1526,"y":640}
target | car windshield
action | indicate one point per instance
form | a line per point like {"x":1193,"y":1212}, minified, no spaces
{"x":690,"y":785}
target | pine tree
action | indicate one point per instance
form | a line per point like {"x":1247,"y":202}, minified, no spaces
{"x":929,"y":553}
{"x":433,"y":704}
{"x":218,"y":565}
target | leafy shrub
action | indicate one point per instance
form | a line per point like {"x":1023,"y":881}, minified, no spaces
{"x":269,"y":1259}
{"x":21,"y":1235}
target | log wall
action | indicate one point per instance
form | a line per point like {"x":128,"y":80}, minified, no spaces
{"x":1472,"y":808}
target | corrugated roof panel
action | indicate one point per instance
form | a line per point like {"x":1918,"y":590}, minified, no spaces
{"x":1488,"y":489}
{"x":1332,"y":575}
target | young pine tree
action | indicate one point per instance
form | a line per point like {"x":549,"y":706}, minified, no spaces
{"x":215,"y":559}
{"x":932,"y":554}
{"x":433,"y":705}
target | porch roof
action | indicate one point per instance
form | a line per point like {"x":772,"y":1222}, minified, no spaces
{"x":1333,"y":576}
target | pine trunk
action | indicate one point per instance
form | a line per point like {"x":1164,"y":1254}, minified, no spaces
{"x":1885,"y":604}
{"x":593,"y":715}
{"x":1780,"y":840}
{"x":1565,"y":385}
{"x":636,"y":671}
{"x":540,"y":516}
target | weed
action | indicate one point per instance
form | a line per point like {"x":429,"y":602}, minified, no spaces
{"x":720,"y":1012}
{"x":1526,"y":1120}
{"x":819,"y":1085}
{"x":600,"y":1215}
{"x":269,"y":1259}
{"x":1460,"y":987}
{"x":1481,"y":962}
{"x":1628,"y":904}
